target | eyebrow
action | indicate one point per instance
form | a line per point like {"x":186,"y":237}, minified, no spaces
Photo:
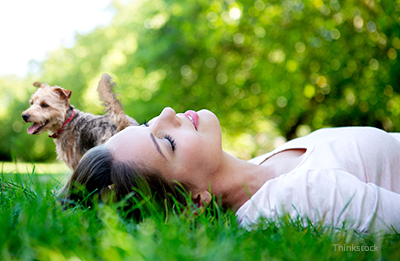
{"x":157,"y":146}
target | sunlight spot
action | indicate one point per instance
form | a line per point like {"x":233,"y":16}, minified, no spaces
{"x":235,"y":13}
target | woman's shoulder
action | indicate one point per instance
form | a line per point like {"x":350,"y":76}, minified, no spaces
{"x":338,"y":135}
{"x":341,"y":135}
{"x":299,"y":192}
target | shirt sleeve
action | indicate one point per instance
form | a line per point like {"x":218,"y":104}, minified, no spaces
{"x":332,"y":196}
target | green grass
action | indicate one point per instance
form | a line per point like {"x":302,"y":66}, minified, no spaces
{"x":34,"y":226}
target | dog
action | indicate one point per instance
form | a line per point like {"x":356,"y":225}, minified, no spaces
{"x":75,"y":132}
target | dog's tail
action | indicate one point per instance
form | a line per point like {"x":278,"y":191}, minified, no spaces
{"x":111,"y":103}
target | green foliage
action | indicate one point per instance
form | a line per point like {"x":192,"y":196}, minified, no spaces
{"x":266,"y":68}
{"x":34,"y":226}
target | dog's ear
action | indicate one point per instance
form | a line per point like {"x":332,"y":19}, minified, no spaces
{"x":64,"y":94}
{"x":38,"y":84}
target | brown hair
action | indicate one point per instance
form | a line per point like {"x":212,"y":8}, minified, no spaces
{"x":99,"y":174}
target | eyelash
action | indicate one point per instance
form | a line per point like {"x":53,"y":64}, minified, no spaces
{"x":171,"y":140}
{"x":167,"y":137}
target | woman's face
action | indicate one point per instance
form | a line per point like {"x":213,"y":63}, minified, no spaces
{"x":183,"y":147}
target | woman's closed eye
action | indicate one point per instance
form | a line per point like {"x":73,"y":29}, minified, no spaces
{"x":172,"y":141}
{"x":145,"y":123}
{"x":167,"y":137}
{"x":148,"y":123}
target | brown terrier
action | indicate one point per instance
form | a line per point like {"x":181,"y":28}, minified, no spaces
{"x":74,"y":131}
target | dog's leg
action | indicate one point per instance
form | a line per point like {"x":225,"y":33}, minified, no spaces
{"x":111,"y":103}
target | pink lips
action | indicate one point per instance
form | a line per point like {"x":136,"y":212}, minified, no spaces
{"x":193,"y":117}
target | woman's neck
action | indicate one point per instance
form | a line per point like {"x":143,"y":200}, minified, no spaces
{"x":238,"y":181}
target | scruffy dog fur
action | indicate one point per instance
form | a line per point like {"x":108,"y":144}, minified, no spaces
{"x":50,"y":110}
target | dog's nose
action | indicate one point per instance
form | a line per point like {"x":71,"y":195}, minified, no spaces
{"x":25,"y":117}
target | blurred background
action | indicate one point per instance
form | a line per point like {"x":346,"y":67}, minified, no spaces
{"x":270,"y":70}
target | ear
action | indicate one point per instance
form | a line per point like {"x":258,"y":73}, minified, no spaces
{"x":64,"y":94}
{"x":38,"y":84}
{"x":202,"y":198}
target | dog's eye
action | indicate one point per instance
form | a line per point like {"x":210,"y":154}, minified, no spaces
{"x":44,"y":105}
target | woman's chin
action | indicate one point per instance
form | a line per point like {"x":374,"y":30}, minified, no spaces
{"x":208,"y":121}
{"x":207,"y":113}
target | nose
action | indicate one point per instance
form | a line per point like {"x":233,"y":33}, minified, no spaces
{"x":25,"y":116}
{"x":167,"y":119}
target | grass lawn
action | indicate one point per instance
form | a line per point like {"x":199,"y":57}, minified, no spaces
{"x":34,"y":226}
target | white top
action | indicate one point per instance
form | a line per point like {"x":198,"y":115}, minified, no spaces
{"x":347,"y":176}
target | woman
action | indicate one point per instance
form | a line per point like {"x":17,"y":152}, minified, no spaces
{"x":339,"y":176}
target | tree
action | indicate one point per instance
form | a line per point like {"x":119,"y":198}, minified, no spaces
{"x":262,"y":66}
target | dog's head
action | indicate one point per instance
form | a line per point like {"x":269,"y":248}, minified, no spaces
{"x":48,"y":110}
